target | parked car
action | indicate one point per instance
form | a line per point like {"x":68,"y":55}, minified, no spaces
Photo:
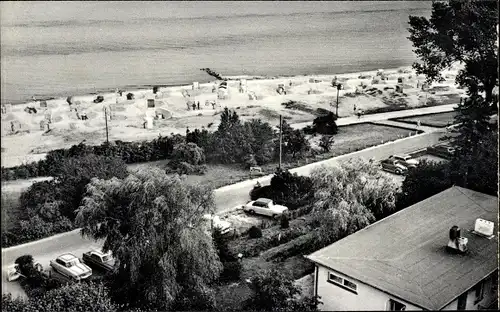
{"x":394,"y":166}
{"x":443,"y":150}
{"x":405,"y":160}
{"x":14,"y":273}
{"x":266,"y":207}
{"x":99,"y":260}
{"x":216,"y":222}
{"x":70,"y":266}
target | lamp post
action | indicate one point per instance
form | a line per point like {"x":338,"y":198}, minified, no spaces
{"x":281,"y":139}
{"x":337,"y":109}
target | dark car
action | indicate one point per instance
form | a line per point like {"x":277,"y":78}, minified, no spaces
{"x":99,"y":260}
{"x":443,"y":150}
{"x":394,"y":166}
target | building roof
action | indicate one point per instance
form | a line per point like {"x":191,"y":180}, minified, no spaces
{"x":405,"y":254}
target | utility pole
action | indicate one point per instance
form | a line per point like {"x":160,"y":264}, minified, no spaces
{"x":281,"y":138}
{"x":106,"y":120}
{"x":337,"y":110}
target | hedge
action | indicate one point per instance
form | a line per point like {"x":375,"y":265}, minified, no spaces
{"x":130,"y":152}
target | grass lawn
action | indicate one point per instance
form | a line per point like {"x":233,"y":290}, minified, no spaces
{"x":349,"y":139}
{"x":11,"y":191}
{"x":432,"y":120}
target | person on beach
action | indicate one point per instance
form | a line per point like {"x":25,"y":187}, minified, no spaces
{"x":194,"y":106}
{"x":359,"y":114}
{"x":198,"y":104}
{"x":354,"y":107}
{"x":188,"y":107}
{"x":213,"y":105}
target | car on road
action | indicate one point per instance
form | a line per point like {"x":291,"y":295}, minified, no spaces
{"x":216,"y":222}
{"x":99,"y":260}
{"x":14,"y":273}
{"x":405,"y":160}
{"x":442,"y":150}
{"x":394,"y":166}
{"x":266,"y":207}
{"x":70,"y":266}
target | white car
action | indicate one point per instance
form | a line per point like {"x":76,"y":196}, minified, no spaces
{"x":216,"y":222}
{"x":13,"y":272}
{"x":266,"y":207}
{"x":70,"y":266}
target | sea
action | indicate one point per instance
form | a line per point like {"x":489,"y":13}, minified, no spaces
{"x":54,"y":49}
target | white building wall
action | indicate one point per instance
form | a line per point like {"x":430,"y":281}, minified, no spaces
{"x":335,"y":298}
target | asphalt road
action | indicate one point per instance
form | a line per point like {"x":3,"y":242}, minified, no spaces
{"x":226,"y":198}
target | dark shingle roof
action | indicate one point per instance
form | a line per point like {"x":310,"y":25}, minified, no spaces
{"x":405,"y":254}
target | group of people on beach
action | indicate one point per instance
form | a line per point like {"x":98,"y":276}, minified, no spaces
{"x":193,"y":105}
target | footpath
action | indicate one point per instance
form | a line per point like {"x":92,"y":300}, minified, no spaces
{"x":351,"y":120}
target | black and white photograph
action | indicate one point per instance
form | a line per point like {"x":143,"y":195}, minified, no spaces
{"x":249,"y":155}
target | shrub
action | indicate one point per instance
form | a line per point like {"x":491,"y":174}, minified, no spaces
{"x":325,"y":124}
{"x":250,"y":161}
{"x":299,"y":246}
{"x":284,"y":222}
{"x":254,"y":232}
{"x":130,"y":96}
{"x":231,"y":271}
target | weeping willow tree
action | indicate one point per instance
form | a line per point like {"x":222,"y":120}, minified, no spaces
{"x":153,"y":225}
{"x":350,"y":197}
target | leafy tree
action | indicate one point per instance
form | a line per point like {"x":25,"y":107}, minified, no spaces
{"x":351,"y":196}
{"x":202,"y":138}
{"x":228,"y":120}
{"x":463,"y":31}
{"x":188,"y":152}
{"x":275,"y":291}
{"x":424,"y":181}
{"x":260,"y":136}
{"x":325,"y":124}
{"x":153,"y":224}
{"x":296,"y":143}
{"x":326,"y":142}
{"x":476,"y":144}
{"x":76,"y":172}
{"x":39,"y":193}
{"x":290,"y":189}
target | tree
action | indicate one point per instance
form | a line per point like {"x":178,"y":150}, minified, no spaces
{"x":39,"y":193}
{"x":260,"y":136}
{"x":154,"y":226}
{"x":424,"y":181}
{"x":76,"y":172}
{"x":351,"y":196}
{"x":325,"y":124}
{"x":228,"y":119}
{"x":295,"y":143}
{"x":188,"y":152}
{"x":275,"y":291}
{"x":474,"y":140}
{"x":326,"y":142}
{"x":290,"y":189}
{"x":458,"y":31}
{"x":202,"y":138}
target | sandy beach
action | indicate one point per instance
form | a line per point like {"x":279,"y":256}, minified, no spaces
{"x":257,"y":99}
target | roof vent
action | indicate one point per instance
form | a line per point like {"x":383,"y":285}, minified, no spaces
{"x":484,"y":228}
{"x":457,"y":243}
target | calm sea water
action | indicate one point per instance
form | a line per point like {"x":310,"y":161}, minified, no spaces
{"x":63,"y":48}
